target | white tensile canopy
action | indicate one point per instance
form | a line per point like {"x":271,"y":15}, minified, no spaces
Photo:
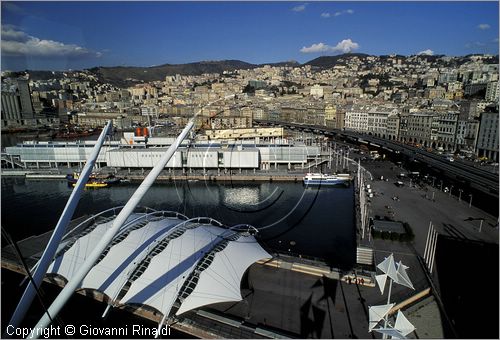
{"x":212,"y":286}
{"x":157,"y":257}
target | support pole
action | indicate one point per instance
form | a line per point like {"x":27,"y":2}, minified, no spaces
{"x":58,"y":233}
{"x":426,"y":249}
{"x":386,"y":318}
{"x":127,"y":210}
{"x":433,"y":254}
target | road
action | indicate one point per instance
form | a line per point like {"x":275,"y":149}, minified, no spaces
{"x":480,"y":178}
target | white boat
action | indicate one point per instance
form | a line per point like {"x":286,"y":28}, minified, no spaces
{"x":324,"y":179}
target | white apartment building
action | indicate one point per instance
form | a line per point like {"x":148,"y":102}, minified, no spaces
{"x":492,"y":91}
{"x":377,"y":120}
{"x":316,"y":91}
{"x":356,"y":118}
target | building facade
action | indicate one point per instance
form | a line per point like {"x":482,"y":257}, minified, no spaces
{"x":487,"y":141}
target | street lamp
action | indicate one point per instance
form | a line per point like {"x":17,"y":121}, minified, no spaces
{"x":433,"y":178}
{"x":451,"y":188}
{"x":470,"y":201}
{"x":441,"y":185}
{"x":459,"y":194}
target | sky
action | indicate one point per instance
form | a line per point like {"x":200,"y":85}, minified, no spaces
{"x":76,"y":35}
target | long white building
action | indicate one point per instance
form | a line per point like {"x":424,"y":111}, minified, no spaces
{"x":188,"y":156}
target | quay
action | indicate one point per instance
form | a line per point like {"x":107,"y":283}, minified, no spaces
{"x":165,"y":176}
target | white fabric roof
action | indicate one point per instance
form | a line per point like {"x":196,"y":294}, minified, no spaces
{"x":220,"y":282}
{"x":109,"y":275}
{"x":69,"y":262}
{"x":161,"y":282}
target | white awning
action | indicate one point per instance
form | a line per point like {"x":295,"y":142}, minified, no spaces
{"x":161,"y":282}
{"x":160,"y":273}
{"x":110,"y":274}
{"x":221,"y":281}
{"x":68,"y":263}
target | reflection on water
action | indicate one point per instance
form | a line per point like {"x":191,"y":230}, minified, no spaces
{"x":291,"y":218}
{"x":243,"y":196}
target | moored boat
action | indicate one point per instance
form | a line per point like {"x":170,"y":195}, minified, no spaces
{"x":325,"y":179}
{"x":94,"y":184}
{"x":94,"y":181}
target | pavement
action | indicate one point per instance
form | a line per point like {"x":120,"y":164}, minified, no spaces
{"x":416,"y":206}
{"x":453,"y":219}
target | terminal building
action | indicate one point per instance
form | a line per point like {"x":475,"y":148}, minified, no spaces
{"x":221,"y":155}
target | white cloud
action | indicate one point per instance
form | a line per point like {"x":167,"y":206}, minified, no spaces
{"x":10,"y":32}
{"x":315,"y":48}
{"x":339,"y":13}
{"x":300,"y":8}
{"x":426,"y":52}
{"x":17,"y":43}
{"x":345,"y":46}
{"x":483,"y":26}
{"x":325,"y":15}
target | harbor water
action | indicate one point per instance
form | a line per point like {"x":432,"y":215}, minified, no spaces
{"x":291,"y":218}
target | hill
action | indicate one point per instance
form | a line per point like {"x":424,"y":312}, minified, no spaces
{"x":125,"y":76}
{"x":331,"y":61}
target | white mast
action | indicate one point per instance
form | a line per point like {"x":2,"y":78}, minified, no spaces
{"x":58,"y":233}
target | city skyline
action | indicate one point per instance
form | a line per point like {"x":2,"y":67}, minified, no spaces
{"x":78,"y":35}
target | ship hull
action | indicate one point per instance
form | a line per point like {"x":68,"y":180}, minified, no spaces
{"x":325,"y":182}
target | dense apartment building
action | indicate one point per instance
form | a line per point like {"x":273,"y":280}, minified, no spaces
{"x":487,"y":141}
{"x":492,"y":91}
{"x":419,"y":129}
{"x":356,"y":118}
{"x":377,"y":120}
{"x":447,"y":129}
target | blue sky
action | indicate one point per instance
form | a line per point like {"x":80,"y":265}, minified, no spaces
{"x":76,"y":35}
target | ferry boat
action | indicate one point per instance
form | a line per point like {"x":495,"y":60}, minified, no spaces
{"x":94,"y":181}
{"x":94,"y":184}
{"x":324,"y":179}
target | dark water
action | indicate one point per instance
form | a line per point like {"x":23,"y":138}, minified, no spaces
{"x":316,"y":222}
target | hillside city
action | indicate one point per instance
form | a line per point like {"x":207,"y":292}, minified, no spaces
{"x":447,"y":104}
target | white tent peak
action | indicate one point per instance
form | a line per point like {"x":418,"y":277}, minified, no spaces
{"x":381,"y":279}
{"x":377,"y":313}
{"x":403,"y":325}
{"x":402,"y":276}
